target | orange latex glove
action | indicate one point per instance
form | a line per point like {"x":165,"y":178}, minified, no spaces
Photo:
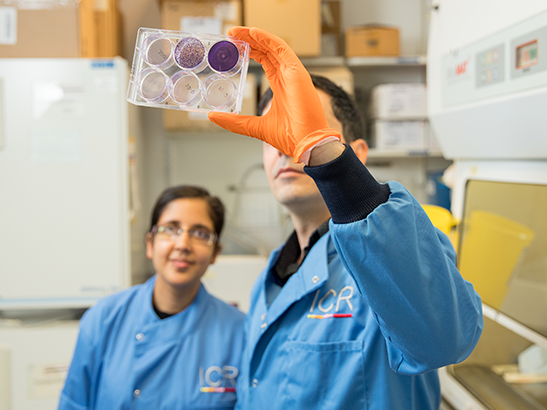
{"x":296,"y":121}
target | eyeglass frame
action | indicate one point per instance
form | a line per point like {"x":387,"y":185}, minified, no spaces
{"x":213,"y":237}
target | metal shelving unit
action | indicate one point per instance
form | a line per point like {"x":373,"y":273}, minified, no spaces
{"x":355,"y":62}
{"x":386,"y":61}
{"x":373,"y":153}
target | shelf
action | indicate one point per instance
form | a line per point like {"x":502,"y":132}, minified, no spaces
{"x":386,"y":61}
{"x":314,"y":62}
{"x":373,"y":153}
{"x":323,"y":61}
{"x":359,"y":61}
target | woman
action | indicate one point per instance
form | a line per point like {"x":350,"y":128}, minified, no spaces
{"x":165,"y":344}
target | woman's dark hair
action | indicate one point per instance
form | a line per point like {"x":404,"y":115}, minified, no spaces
{"x":343,"y":107}
{"x":216,"y":207}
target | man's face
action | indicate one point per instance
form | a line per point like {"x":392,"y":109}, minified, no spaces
{"x":290,"y":185}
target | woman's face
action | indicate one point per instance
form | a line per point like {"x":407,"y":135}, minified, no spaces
{"x":181,"y":263}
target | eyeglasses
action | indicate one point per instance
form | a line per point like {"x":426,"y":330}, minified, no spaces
{"x":199,"y":235}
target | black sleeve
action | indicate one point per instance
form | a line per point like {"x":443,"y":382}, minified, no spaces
{"x":348,"y":188}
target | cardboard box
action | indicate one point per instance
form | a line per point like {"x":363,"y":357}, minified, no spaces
{"x":108,"y":28}
{"x":34,"y":31}
{"x":366,"y":41}
{"x":200,"y":16}
{"x":298,"y":22}
{"x":400,"y":135}
{"x":188,"y":121}
{"x":398,"y":101}
{"x":63,"y":29}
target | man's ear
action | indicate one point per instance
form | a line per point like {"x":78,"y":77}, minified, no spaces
{"x":360,"y":147}
{"x":149,"y":245}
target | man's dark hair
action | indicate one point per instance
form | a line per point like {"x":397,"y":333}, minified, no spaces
{"x":343,"y":106}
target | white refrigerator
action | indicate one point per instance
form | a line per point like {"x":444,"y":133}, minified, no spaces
{"x":64,"y":219}
{"x":64,"y":224}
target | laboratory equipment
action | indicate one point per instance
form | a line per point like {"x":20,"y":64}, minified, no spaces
{"x":483,"y":102}
{"x":64,"y":236}
{"x":487,"y":92}
{"x":187,"y":71}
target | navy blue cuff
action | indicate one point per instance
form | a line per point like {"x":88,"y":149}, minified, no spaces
{"x":348,"y":188}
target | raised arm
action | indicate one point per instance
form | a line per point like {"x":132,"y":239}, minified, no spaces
{"x":404,"y":267}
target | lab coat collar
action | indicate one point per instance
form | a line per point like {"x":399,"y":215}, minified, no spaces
{"x":311,"y":275}
{"x":154,"y":329}
{"x":315,"y":273}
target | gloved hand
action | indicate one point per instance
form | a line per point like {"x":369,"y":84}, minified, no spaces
{"x":296,"y":121}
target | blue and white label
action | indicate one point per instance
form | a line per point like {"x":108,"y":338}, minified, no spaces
{"x":102,"y":64}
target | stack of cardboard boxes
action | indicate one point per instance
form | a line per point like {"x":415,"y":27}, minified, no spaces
{"x":399,"y":113}
{"x":60,"y":29}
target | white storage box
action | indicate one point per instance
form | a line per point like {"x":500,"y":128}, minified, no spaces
{"x":398,"y":101}
{"x":400,"y":135}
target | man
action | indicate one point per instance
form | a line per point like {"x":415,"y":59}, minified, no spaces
{"x":363,"y":302}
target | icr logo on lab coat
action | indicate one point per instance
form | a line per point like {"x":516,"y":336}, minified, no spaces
{"x":330,"y":297}
{"x":216,"y":379}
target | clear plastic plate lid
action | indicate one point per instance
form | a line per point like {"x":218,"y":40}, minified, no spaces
{"x":188,"y":71}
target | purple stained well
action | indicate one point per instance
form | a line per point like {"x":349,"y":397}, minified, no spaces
{"x":189,"y":52}
{"x":223,"y":56}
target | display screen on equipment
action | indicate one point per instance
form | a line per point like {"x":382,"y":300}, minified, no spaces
{"x":502,"y":248}
{"x":527,"y":54}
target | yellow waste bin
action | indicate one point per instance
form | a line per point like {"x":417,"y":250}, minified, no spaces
{"x":491,"y":247}
{"x":440,"y":217}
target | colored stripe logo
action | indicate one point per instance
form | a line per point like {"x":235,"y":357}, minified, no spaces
{"x":330,"y":316}
{"x":217,"y":389}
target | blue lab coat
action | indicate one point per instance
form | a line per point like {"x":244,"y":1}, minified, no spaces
{"x":411,"y":313}
{"x":127,"y":358}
